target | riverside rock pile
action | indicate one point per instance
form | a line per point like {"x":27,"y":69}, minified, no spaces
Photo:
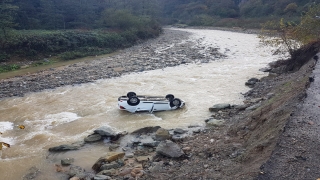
{"x":170,"y":49}
{"x":130,"y":156}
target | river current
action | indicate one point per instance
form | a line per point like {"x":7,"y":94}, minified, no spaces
{"x":68,"y":114}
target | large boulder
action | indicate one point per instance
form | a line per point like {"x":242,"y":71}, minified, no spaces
{"x":251,"y":82}
{"x":162,"y":134}
{"x":218,"y":107}
{"x":179,"y":131}
{"x":93,"y":138}
{"x":66,"y":147}
{"x":169,"y":149}
{"x":146,"y":130}
{"x":106,"y":131}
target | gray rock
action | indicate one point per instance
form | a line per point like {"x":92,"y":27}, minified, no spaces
{"x":129,"y":155}
{"x":162,"y":134}
{"x":149,"y":142}
{"x":215,"y":122}
{"x":33,"y":172}
{"x":240,"y":107}
{"x":196,"y":130}
{"x":178,"y":137}
{"x":266,"y":69}
{"x":179,"y":131}
{"x":93,"y":138}
{"x":102,"y":177}
{"x":113,"y":147}
{"x":76,"y":171}
{"x":146,"y":130}
{"x":218,"y":107}
{"x":251,"y":82}
{"x":269,"y":95}
{"x":157,"y":167}
{"x":169,"y":149}
{"x":109,"y":172}
{"x":142,"y":159}
{"x":67,"y":161}
{"x":254,"y":107}
{"x":105,"y":131}
{"x":64,"y":147}
{"x":112,"y":165}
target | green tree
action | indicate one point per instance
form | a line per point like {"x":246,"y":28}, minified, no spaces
{"x":309,"y":28}
{"x":287,"y":36}
{"x":7,"y":13}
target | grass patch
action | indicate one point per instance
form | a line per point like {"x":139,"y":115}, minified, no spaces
{"x":7,"y":68}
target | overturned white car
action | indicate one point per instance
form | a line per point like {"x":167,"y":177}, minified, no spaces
{"x":134,"y":103}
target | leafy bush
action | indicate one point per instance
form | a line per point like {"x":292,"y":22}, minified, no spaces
{"x":6,"y":68}
{"x":72,"y":43}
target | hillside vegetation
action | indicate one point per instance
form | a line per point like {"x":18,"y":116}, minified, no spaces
{"x":68,"y":29}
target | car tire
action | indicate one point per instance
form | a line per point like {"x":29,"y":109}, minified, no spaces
{"x":169,"y":97}
{"x":131,"y":94}
{"x":133,"y":101}
{"x":175,"y":103}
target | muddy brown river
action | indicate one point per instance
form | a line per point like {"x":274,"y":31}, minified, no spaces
{"x":68,"y":114}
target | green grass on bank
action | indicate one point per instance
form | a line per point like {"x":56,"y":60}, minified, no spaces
{"x":37,"y":43}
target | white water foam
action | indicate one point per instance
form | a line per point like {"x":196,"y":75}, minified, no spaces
{"x":53,"y":120}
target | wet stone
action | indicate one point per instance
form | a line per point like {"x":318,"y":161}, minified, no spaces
{"x":93,"y":138}
{"x":67,"y":161}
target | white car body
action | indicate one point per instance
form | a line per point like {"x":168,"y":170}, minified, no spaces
{"x":134,"y":103}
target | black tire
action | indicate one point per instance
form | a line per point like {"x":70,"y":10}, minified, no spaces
{"x":133,"y":101}
{"x":175,"y":103}
{"x":131,"y":94}
{"x":169,"y":97}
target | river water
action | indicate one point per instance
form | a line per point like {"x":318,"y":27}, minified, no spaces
{"x":68,"y":114}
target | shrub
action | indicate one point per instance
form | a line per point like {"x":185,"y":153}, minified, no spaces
{"x":6,"y":68}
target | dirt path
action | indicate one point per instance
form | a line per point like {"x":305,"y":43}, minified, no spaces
{"x":297,"y":154}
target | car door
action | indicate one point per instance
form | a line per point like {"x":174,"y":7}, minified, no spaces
{"x":145,"y":106}
{"x":161,"y":106}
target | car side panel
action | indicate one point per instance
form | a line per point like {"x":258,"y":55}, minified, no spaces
{"x":161,"y":106}
{"x":145,"y":106}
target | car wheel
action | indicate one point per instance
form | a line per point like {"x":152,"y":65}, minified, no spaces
{"x":169,"y":97}
{"x":131,"y":94}
{"x":133,"y":101}
{"x":175,"y":103}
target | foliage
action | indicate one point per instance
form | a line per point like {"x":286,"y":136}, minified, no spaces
{"x":289,"y":36}
{"x":7,"y":68}
{"x":72,"y":43}
{"x":279,"y":35}
{"x":7,"y":12}
{"x":43,"y":62}
{"x":309,"y":28}
{"x":292,"y":7}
